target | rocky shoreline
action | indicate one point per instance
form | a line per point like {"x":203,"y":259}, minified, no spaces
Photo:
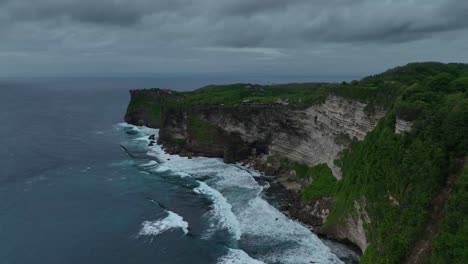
{"x":288,"y":201}
{"x":359,"y":162}
{"x":284,"y":192}
{"x":290,"y":204}
{"x":259,"y":135}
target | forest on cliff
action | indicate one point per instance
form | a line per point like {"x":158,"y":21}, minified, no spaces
{"x":414,"y":184}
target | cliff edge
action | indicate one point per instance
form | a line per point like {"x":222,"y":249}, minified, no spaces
{"x":362,"y":161}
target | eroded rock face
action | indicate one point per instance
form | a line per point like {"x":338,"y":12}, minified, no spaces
{"x":402,"y":126}
{"x":352,"y":226}
{"x":310,"y":136}
{"x":326,"y":130}
{"x":315,"y":211}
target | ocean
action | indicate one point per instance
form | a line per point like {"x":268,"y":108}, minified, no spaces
{"x":69,"y":193}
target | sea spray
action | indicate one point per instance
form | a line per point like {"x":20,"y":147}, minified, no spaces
{"x":237,"y":256}
{"x":221,"y":210}
{"x":171,"y":221}
{"x":237,"y":205}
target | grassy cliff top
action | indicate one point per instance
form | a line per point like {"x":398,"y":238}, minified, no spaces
{"x":409,"y":168}
{"x":381,"y":88}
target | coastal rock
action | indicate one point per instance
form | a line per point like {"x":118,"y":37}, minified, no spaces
{"x":323,"y":128}
{"x":351,"y":228}
{"x":310,"y":136}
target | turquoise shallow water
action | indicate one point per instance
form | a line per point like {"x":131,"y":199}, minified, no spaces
{"x":70,"y":194}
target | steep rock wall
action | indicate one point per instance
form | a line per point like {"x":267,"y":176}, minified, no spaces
{"x":326,"y":130}
{"x":402,"y":126}
{"x":311,"y":136}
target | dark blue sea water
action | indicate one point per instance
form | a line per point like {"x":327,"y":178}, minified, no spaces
{"x":70,"y":194}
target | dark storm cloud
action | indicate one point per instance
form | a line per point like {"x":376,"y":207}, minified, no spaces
{"x":396,"y":21}
{"x":107,"y":12}
{"x":254,"y":23}
{"x":248,"y":7}
{"x":170,"y":34}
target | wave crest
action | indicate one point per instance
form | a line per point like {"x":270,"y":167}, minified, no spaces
{"x":171,"y":221}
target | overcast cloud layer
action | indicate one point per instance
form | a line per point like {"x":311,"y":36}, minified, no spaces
{"x":287,"y":37}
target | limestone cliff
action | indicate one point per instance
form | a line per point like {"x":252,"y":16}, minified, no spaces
{"x":325,"y":130}
{"x":402,"y":126}
{"x":311,"y":136}
{"x":351,"y":164}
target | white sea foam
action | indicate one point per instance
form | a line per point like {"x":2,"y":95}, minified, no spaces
{"x":270,"y":226}
{"x":149,"y":163}
{"x":144,"y":138}
{"x":171,"y":221}
{"x":237,"y":256}
{"x":221,"y":209}
{"x":122,"y":125}
{"x":238,"y":207}
{"x":161,"y":168}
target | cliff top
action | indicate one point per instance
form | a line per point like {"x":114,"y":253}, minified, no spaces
{"x":381,"y":89}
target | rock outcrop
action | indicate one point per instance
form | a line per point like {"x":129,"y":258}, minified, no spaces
{"x":402,"y":126}
{"x":315,"y":211}
{"x":310,"y":136}
{"x":326,"y":129}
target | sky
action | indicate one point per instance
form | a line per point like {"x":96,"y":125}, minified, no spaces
{"x":227,"y":37}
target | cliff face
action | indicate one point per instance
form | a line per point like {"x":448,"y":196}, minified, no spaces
{"x":326,"y":129}
{"x":310,"y":136}
{"x":144,"y":107}
{"x":351,"y":170}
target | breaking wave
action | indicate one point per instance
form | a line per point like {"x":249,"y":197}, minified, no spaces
{"x":237,"y":256}
{"x":261,"y":232}
{"x":221,"y":210}
{"x":171,"y":221}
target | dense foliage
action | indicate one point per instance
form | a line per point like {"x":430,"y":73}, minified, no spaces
{"x":294,"y":94}
{"x":450,"y":246}
{"x":237,"y":94}
{"x":150,"y":105}
{"x":398,"y":175}
{"x":393,"y":176}
{"x":201,"y":131}
{"x":322,"y":180}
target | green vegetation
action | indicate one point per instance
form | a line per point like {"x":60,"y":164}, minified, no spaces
{"x":236,"y":94}
{"x":295,"y":94}
{"x":151,"y":106}
{"x":322,"y":180}
{"x":395,"y":175}
{"x":180,"y":141}
{"x":450,"y":246}
{"x":398,"y":175}
{"x":201,"y":131}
